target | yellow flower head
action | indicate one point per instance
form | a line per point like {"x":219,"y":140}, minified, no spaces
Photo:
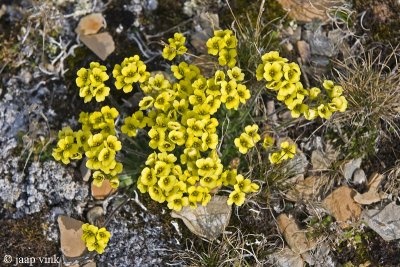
{"x":244,"y":142}
{"x":237,"y":198}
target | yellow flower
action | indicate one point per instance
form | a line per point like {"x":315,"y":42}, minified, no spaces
{"x":292,"y":72}
{"x":260,"y":72}
{"x":83,"y":78}
{"x":231,"y":101}
{"x":100,"y":92}
{"x":314,"y":92}
{"x":236,"y":74}
{"x":338,"y":103}
{"x":97,"y":245}
{"x":177,"y":137}
{"x":328,"y":85}
{"x":324,"y":111}
{"x":288,"y":150}
{"x":98,"y":178}
{"x":113,"y":143}
{"x":272,"y":56}
{"x":273,"y":72}
{"x":129,"y":127}
{"x":103,"y":235}
{"x":162,"y":101}
{"x":210,"y":140}
{"x":195,"y":127}
{"x":268,"y":142}
{"x":227,"y":57}
{"x":114,"y":182}
{"x":242,"y":184}
{"x":181,"y":70}
{"x":214,"y":45}
{"x":195,"y":193}
{"x":219,"y":76}
{"x":162,"y":169}
{"x":297,"y":108}
{"x":156,"y":194}
{"x":205,"y":166}
{"x":252,"y":131}
{"x":286,"y":88}
{"x":165,"y":146}
{"x":275,"y":158}
{"x":177,"y":201}
{"x":97,"y":77}
{"x":229,"y":177}
{"x":148,"y":177}
{"x":109,"y":114}
{"x":336,"y":91}
{"x":89,"y":233}
{"x":197,"y":98}
{"x":169,"y":52}
{"x":310,"y":114}
{"x":146,"y":103}
{"x":237,"y":198}
{"x":244,"y":142}
{"x":166,"y":183}
{"x":106,"y":156}
{"x":157,"y":137}
{"x":230,"y":41}
{"x":243,"y":93}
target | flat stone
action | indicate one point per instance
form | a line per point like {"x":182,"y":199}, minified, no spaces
{"x":373,"y":194}
{"x":90,"y":24}
{"x":304,"y":50}
{"x":70,"y":236}
{"x":341,"y":205}
{"x":102,"y":44}
{"x":209,"y":221}
{"x":296,"y":238}
{"x":307,"y":189}
{"x":103,"y":191}
{"x":287,"y":258}
{"x":385,"y":222}
{"x":349,"y":167}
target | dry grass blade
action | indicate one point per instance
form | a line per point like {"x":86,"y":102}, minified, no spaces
{"x":371,"y":84}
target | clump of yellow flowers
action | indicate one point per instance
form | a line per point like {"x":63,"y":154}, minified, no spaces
{"x":95,"y":238}
{"x":178,"y":114}
{"x":185,"y":169}
{"x":91,"y":82}
{"x":97,"y":140}
{"x":284,"y":78}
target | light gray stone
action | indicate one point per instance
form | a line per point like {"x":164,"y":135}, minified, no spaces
{"x":385,"y":222}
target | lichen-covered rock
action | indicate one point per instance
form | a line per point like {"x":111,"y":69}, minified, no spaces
{"x":138,"y":239}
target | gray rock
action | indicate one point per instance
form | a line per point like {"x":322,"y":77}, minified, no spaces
{"x":385,"y":222}
{"x":138,"y":239}
{"x":321,"y":45}
{"x":359,"y":177}
{"x":287,"y":258}
{"x":94,"y":214}
{"x":349,"y":168}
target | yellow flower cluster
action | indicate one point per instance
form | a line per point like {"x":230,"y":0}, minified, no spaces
{"x":223,"y":44}
{"x":176,"y":46}
{"x":284,"y":78}
{"x":95,"y":238}
{"x":91,"y":82}
{"x":97,"y":140}
{"x":131,"y":70}
{"x":287,"y":151}
{"x":248,"y":139}
{"x":185,"y":168}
